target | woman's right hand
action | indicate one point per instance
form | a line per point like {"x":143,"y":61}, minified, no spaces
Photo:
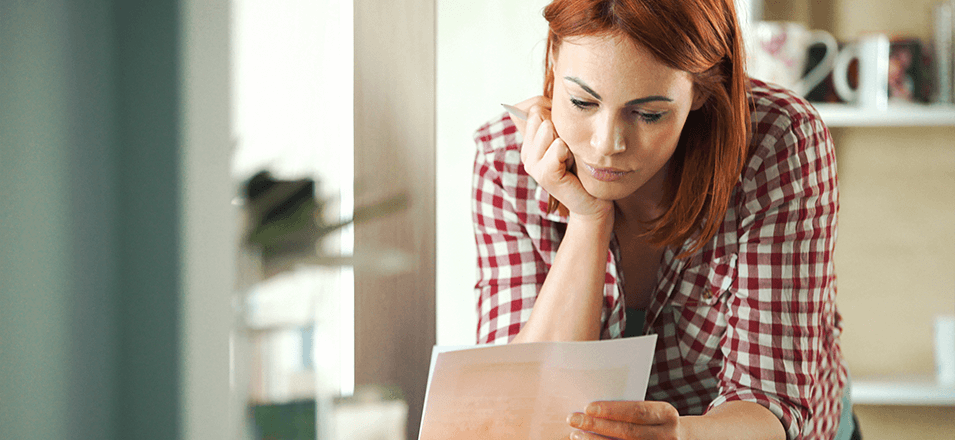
{"x":550,"y":162}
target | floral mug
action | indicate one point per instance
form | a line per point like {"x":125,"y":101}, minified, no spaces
{"x":777,"y":52}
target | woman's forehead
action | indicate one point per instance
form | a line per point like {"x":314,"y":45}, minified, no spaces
{"x":607,"y":48}
{"x":615,"y":61}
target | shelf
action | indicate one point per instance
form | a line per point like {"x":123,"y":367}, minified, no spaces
{"x":901,"y":390}
{"x":897,"y":115}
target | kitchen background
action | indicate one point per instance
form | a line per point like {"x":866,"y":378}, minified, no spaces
{"x":121,"y":215}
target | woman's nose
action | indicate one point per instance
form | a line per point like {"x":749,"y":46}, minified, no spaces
{"x":608,"y":136}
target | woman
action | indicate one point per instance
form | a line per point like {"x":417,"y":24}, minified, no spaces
{"x":653,"y":178}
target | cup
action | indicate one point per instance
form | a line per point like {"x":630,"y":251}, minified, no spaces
{"x":943,"y":15}
{"x":945,"y":350}
{"x":872,"y":53}
{"x":777,"y":52}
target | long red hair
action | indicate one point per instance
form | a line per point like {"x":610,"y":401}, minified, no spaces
{"x":701,"y":37}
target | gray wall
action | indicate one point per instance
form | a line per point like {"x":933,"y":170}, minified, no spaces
{"x":88,"y":219}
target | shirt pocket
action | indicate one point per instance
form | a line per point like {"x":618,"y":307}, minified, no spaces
{"x":697,"y":308}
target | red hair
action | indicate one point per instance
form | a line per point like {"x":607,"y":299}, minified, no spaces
{"x":701,"y":37}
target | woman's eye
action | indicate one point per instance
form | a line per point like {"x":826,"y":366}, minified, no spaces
{"x":650,"y":118}
{"x":582,"y":105}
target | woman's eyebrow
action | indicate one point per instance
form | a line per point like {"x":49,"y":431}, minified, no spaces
{"x":584,"y":86}
{"x":596,"y":96}
{"x":648,"y":99}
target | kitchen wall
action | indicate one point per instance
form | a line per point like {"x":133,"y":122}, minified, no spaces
{"x":488,"y":52}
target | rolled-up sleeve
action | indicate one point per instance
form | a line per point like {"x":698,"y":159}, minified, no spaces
{"x":781,"y":318}
{"x":510,"y":268}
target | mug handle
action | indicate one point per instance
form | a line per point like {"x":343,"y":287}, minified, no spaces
{"x":840,"y":73}
{"x":824,"y":67}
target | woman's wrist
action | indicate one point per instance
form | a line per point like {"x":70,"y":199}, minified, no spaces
{"x":600,"y":223}
{"x":733,"y":420}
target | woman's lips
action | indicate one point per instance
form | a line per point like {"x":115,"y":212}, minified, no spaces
{"x":605,"y":174}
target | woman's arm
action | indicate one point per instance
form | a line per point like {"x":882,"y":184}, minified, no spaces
{"x":569,"y":304}
{"x":734,"y":420}
{"x":627,"y":420}
{"x":525,"y":294}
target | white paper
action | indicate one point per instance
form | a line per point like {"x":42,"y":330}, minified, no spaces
{"x":526,"y":391}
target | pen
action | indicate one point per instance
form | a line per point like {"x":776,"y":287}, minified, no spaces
{"x":521,"y":114}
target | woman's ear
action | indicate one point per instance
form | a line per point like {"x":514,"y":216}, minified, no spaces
{"x":699,"y":97}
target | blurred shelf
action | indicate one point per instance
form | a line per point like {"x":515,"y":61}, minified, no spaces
{"x":897,"y":115}
{"x":901,"y":390}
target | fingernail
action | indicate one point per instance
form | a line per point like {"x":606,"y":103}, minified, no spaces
{"x":575,"y":420}
{"x":576,"y":435}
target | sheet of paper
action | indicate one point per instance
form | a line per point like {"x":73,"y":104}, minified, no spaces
{"x":526,"y":391}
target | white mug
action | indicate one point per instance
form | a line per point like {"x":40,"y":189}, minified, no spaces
{"x":945,"y":350}
{"x":872,"y":51}
{"x":777,"y":52}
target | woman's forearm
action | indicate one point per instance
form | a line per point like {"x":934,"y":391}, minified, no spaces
{"x":569,"y":304}
{"x":733,"y":420}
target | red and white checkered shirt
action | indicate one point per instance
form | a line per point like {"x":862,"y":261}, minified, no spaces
{"x":751,"y":316}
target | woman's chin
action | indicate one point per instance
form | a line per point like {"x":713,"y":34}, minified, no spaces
{"x":607,"y":191}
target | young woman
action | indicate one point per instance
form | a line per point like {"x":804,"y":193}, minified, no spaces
{"x":654,"y":188}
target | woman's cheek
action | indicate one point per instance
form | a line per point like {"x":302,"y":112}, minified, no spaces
{"x":569,"y":130}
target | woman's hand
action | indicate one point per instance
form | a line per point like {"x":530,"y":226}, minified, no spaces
{"x":550,"y":162}
{"x":626,"y":420}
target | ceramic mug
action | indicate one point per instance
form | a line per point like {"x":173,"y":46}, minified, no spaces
{"x":945,"y":349}
{"x":777,"y":52}
{"x":872,"y":51}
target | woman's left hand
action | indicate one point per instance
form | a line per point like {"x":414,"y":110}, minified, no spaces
{"x":626,"y":420}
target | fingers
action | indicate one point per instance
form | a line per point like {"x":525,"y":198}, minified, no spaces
{"x":625,"y":420}
{"x":557,"y":158}
{"x":538,"y":137}
{"x":608,"y":429}
{"x":527,"y":105}
{"x":543,"y":140}
{"x":644,"y":413}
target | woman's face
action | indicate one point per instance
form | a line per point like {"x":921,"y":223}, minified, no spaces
{"x":620,"y":111}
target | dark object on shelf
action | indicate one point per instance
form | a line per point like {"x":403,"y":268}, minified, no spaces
{"x":825,"y":91}
{"x":286,"y":223}
{"x":285,"y":421}
{"x":282,"y":214}
{"x":909,"y":71}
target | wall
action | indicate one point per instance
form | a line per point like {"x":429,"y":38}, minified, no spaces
{"x":58,"y":231}
{"x":148,"y":184}
{"x":488,"y":53}
{"x":96,"y":191}
{"x":207,"y":226}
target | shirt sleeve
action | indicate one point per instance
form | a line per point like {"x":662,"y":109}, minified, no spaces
{"x":780,"y":320}
{"x":510,"y":268}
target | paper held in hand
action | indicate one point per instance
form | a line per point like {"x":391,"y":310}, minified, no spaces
{"x":526,"y":391}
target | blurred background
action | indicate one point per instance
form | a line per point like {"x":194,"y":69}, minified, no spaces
{"x":135,"y":304}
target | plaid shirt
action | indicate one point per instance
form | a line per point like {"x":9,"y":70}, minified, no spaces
{"x":751,"y":316}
